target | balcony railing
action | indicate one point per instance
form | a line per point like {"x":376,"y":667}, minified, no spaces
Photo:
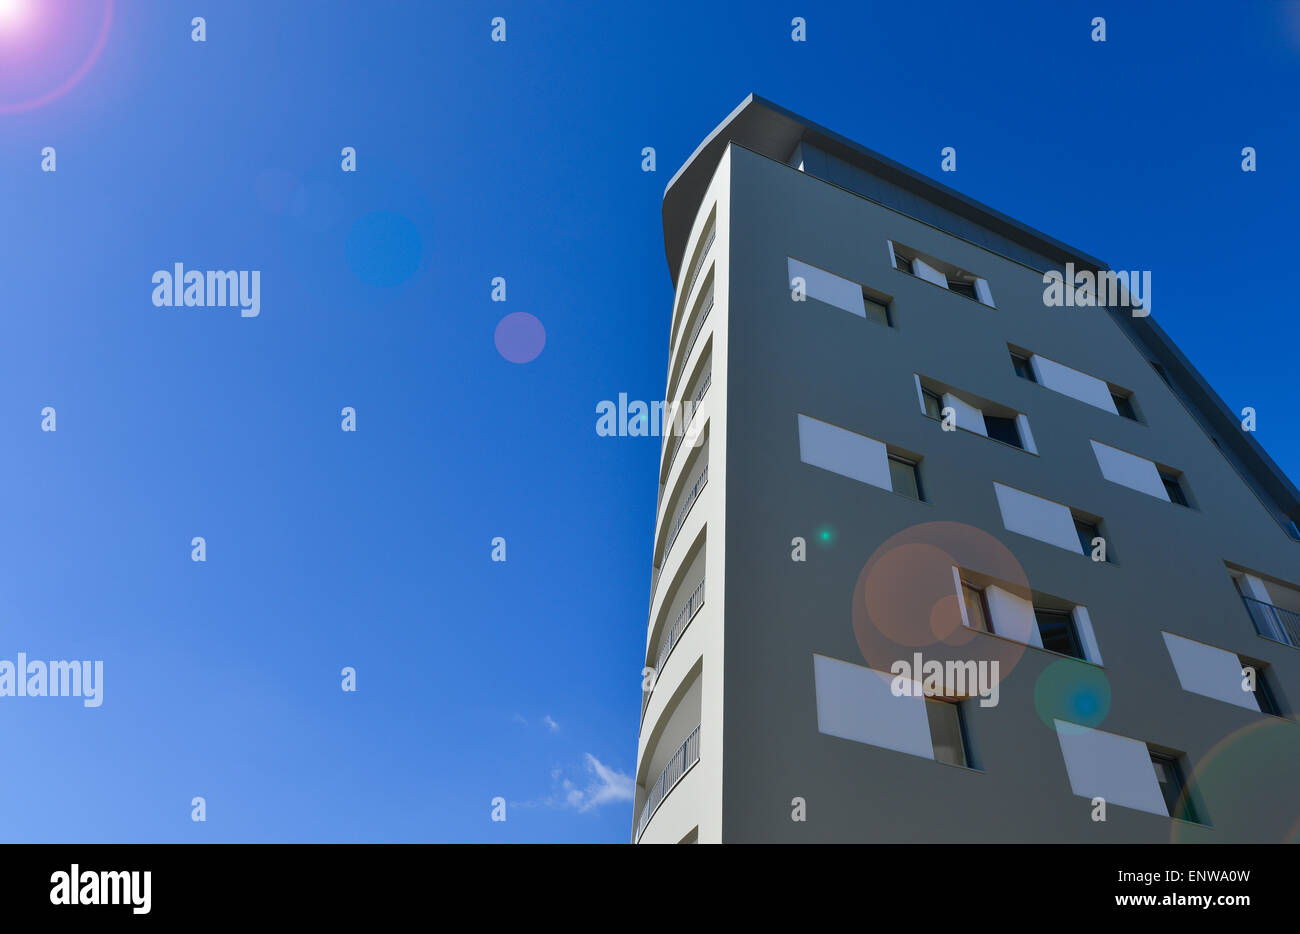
{"x":686,"y":756}
{"x":686,"y":428}
{"x":690,"y":344}
{"x":683,"y":510}
{"x":674,"y":636}
{"x":699,"y":262}
{"x":1273,"y":622}
{"x":699,"y":396}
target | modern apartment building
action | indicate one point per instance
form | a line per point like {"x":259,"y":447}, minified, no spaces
{"x":901,"y":449}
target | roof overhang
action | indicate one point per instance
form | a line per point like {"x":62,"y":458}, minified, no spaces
{"x":772,"y":131}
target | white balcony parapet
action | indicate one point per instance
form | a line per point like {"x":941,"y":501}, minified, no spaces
{"x":674,"y":636}
{"x":681,"y":762}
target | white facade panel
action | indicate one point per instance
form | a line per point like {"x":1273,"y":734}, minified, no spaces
{"x":968,"y":417}
{"x":828,"y":287}
{"x":1203,"y":669}
{"x":1071,"y":382}
{"x":1083,"y":625}
{"x":856,"y":703}
{"x":1136,"y":473}
{"x":843,"y":452}
{"x":1109,"y":766}
{"x":1026,"y":436}
{"x":924,"y":270}
{"x":1038,"y":518}
{"x":1012,"y":616}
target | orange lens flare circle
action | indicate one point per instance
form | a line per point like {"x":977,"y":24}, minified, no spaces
{"x":907,"y":598}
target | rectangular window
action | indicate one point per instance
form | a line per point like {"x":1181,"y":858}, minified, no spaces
{"x":933,"y":403}
{"x":1169,"y":776}
{"x":939,"y":272}
{"x":1174,"y":488}
{"x":1087,"y":532}
{"x":1003,"y":429}
{"x":977,"y":607}
{"x":903,"y":476}
{"x":1264,"y":695}
{"x":1056,"y":629}
{"x":948,"y":732}
{"x":962,"y":287}
{"x":1124,"y":405}
{"x":876,"y":311}
{"x":1023,"y":368}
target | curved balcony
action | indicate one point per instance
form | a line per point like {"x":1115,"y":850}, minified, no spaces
{"x":687,"y":285}
{"x":700,"y":318}
{"x":684,"y":510}
{"x":681,"y":762}
{"x":669,"y":640}
{"x":699,"y":260}
{"x":674,"y":437}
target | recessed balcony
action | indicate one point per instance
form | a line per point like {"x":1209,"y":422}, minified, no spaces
{"x":682,"y":760}
{"x":673,"y":635}
{"x":686,"y":502}
{"x":1273,"y":622}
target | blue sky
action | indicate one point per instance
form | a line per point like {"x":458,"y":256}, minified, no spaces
{"x":476,"y":159}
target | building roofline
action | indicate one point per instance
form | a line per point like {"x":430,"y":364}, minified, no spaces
{"x":773,"y":132}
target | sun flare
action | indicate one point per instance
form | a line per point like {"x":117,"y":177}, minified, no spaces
{"x":13,"y":13}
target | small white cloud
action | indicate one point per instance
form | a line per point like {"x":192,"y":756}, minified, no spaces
{"x":551,"y":723}
{"x":606,"y":785}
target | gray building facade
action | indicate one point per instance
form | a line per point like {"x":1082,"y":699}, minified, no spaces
{"x":893,"y":446}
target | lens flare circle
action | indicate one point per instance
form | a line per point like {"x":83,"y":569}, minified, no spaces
{"x":1073,"y":692}
{"x":1264,"y":754}
{"x":906,"y":598}
{"x":520,"y":337}
{"x":17,"y":16}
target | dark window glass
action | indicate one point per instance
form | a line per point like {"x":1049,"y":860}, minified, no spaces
{"x":1087,"y":532}
{"x":962,"y":287}
{"x":933,"y":403}
{"x":1124,"y":405}
{"x":876,"y":311}
{"x":1264,"y":695}
{"x":1170,"y":778}
{"x":1174,"y":489}
{"x":1058,"y":633}
{"x":902,"y":262}
{"x":902,"y":473}
{"x":1003,"y":429}
{"x":1023,"y":369}
{"x":977,"y":608}
{"x":948,"y":732}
